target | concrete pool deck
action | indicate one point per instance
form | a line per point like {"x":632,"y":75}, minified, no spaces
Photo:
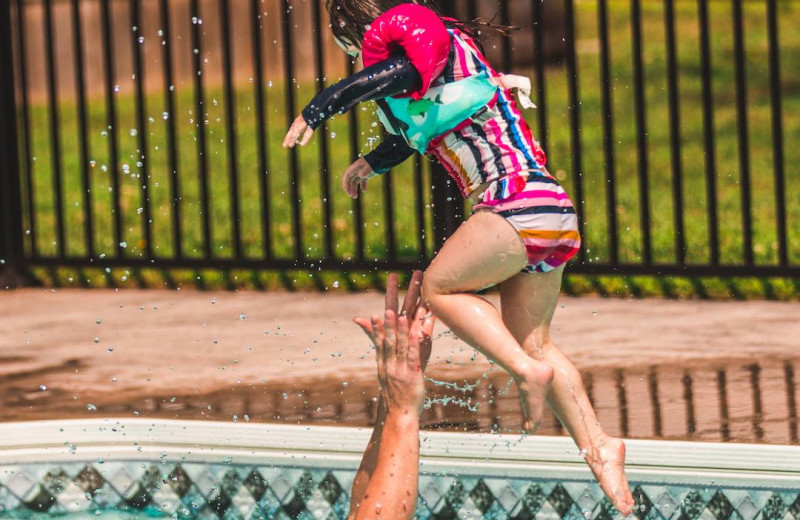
{"x":81,"y":347}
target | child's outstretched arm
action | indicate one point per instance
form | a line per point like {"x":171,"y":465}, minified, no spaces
{"x":391,"y":152}
{"x":390,"y":77}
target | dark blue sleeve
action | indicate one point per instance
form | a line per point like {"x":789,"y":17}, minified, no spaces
{"x":391,"y":152}
{"x":390,"y":77}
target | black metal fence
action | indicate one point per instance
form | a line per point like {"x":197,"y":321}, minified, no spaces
{"x":145,"y":133}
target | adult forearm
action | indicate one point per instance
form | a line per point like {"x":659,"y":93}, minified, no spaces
{"x":392,"y":490}
{"x":368,"y":461}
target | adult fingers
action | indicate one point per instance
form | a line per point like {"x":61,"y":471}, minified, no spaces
{"x":366,"y":326}
{"x":380,"y":334}
{"x":415,"y":354}
{"x":390,"y":339}
{"x":403,"y":345}
{"x":391,"y":293}
{"x":364,"y":186}
{"x":412,"y":295}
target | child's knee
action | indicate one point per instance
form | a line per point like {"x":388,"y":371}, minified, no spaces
{"x":429,"y":288}
{"x":539,"y":348}
{"x":548,"y":347}
{"x":432,"y":287}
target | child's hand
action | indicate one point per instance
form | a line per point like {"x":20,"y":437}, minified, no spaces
{"x":299,"y":128}
{"x":356,"y":176}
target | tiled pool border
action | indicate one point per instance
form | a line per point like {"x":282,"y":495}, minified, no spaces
{"x":40,"y":460}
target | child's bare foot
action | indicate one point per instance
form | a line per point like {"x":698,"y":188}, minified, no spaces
{"x":607,"y":462}
{"x":533,"y":388}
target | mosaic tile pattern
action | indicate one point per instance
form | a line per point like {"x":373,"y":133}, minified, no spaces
{"x":230,"y":492}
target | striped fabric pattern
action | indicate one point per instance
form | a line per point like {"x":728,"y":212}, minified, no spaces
{"x":498,"y":148}
{"x":498,"y":142}
{"x":541,"y":213}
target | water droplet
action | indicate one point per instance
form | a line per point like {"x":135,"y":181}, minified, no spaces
{"x":164,"y":115}
{"x":91,"y":407}
{"x":123,"y":244}
{"x":97,"y":340}
{"x":42,"y":387}
{"x":110,"y":348}
{"x":243,"y":316}
{"x":336,"y":284}
{"x":333,"y":135}
{"x":140,"y":211}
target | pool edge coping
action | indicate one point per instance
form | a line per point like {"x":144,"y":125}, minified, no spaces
{"x":76,"y":440}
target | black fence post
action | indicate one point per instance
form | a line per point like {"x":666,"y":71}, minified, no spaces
{"x":13,"y":272}
{"x":448,"y":204}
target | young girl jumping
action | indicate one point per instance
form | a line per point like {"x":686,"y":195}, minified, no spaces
{"x":437,"y":94}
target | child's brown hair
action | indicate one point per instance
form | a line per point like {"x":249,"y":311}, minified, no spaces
{"x":350,"y":19}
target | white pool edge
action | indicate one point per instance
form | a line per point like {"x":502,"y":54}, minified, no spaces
{"x":724,"y":465}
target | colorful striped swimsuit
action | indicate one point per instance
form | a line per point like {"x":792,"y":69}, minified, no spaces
{"x":497,"y":147}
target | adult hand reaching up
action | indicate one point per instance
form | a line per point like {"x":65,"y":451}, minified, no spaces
{"x":386,"y":483}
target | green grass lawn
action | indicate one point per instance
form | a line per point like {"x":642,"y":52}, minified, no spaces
{"x":595,"y":212}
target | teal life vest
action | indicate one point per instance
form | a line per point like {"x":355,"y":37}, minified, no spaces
{"x":442,"y":109}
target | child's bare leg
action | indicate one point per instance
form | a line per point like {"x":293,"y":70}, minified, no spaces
{"x":528,"y":303}
{"x":484,"y":251}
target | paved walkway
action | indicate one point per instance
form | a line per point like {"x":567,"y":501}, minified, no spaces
{"x":96,"y":346}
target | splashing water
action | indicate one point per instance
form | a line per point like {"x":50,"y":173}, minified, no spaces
{"x":444,"y":401}
{"x":455,"y":386}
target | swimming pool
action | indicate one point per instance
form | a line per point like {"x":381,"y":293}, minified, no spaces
{"x":136,"y":468}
